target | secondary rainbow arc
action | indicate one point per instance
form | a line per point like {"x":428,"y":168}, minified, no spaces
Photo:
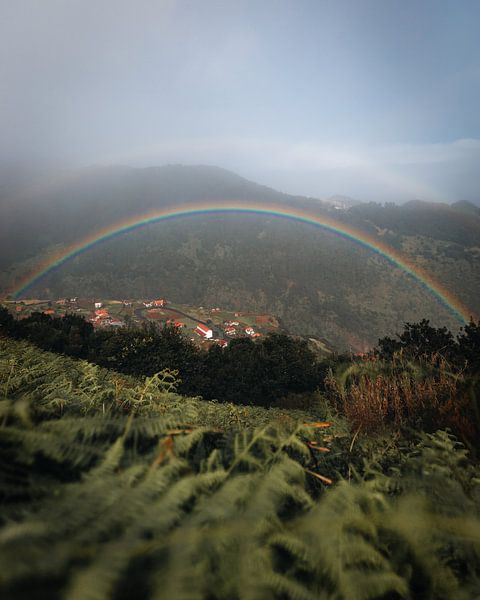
{"x":437,"y":290}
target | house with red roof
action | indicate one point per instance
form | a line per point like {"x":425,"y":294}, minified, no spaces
{"x":203,"y":331}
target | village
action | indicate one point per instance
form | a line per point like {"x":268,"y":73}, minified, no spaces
{"x":203,"y":326}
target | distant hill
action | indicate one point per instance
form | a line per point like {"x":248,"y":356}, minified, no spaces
{"x":320,"y":285}
{"x":467,"y":208}
{"x":72,"y":204}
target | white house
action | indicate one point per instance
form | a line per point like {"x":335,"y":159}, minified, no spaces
{"x":204,"y":331}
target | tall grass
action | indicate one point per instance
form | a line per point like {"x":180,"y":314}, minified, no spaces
{"x":427,"y":394}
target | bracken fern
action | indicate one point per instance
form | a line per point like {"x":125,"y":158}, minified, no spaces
{"x":127,"y":490}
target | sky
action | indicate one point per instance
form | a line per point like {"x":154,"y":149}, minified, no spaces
{"x":375,"y":99}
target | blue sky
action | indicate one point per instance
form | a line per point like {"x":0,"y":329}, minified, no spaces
{"x":374,"y":99}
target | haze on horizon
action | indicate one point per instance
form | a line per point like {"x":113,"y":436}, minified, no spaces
{"x":376,"y":100}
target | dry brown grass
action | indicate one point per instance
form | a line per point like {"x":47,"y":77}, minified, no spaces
{"x":428,"y":397}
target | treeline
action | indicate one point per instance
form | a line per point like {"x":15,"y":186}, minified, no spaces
{"x":245,"y":372}
{"x":420,"y":340}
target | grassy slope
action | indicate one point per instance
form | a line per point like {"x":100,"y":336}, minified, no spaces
{"x":62,"y":386}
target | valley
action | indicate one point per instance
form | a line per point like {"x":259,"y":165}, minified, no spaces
{"x":317,"y":282}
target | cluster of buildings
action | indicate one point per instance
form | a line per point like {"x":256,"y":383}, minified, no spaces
{"x":105,"y":315}
{"x":103,"y":318}
{"x":231,"y":329}
{"x":160,"y":303}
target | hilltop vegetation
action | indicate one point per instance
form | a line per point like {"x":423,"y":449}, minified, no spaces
{"x":114,"y":487}
{"x":425,"y":377}
{"x":261,"y":372}
{"x":317,"y":283}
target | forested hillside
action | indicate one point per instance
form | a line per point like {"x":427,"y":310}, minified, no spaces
{"x":317,"y":283}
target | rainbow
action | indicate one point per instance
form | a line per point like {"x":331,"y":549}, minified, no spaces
{"x":438,"y":291}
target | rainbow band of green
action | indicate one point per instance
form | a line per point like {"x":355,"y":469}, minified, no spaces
{"x":439,"y":292}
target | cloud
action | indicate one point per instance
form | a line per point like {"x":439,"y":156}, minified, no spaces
{"x":405,"y":154}
{"x":299,"y":155}
{"x":392,"y":172}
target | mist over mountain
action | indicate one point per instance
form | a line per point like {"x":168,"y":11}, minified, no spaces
{"x":318,"y":283}
{"x":62,"y":207}
{"x":468,"y":208}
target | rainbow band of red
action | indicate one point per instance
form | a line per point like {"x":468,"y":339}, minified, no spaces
{"x":438,"y":291}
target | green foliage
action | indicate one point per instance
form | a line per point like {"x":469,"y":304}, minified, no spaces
{"x":129,"y":490}
{"x":6,"y":321}
{"x":145,"y":351}
{"x":44,"y":385}
{"x":418,"y":339}
{"x":421,"y":340}
{"x":469,"y":346}
{"x":261,"y":373}
{"x":69,"y":335}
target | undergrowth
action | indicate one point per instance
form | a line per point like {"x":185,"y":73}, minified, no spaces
{"x":422,"y":394}
{"x":123,"y":489}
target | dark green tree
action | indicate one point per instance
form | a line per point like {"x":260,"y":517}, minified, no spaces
{"x":7,"y":322}
{"x":259,"y":372}
{"x":419,"y":339}
{"x":469,"y":346}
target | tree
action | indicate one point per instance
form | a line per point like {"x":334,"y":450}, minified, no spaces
{"x":7,"y":322}
{"x":419,"y":339}
{"x":259,"y":372}
{"x":469,"y":346}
